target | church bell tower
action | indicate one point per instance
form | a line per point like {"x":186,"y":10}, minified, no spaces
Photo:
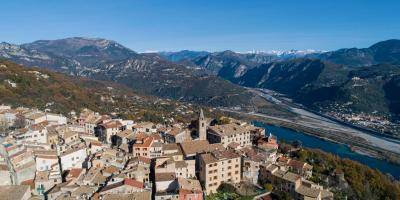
{"x":202,"y":126}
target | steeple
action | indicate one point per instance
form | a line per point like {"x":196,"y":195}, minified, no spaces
{"x":201,"y":116}
{"x":202,"y":126}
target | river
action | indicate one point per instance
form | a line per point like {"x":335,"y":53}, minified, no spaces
{"x":341,"y":150}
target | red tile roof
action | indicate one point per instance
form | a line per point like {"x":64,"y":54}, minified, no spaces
{"x":29,"y":182}
{"x":144,"y":159}
{"x":74,"y":173}
{"x":111,"y":124}
{"x":146,"y":142}
{"x":134,"y":183}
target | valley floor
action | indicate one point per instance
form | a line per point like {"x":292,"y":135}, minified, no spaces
{"x":325,"y":128}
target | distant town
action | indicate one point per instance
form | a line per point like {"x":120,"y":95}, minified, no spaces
{"x":89,"y":155}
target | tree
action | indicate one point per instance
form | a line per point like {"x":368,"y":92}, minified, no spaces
{"x":3,"y":127}
{"x":268,"y":187}
{"x":19,"y":122}
{"x":223,"y":120}
{"x":226,"y":188}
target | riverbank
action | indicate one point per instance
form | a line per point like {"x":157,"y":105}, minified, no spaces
{"x":324,"y":132}
{"x":341,"y":150}
{"x":356,"y":144}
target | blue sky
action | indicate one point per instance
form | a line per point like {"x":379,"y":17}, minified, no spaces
{"x":239,"y":25}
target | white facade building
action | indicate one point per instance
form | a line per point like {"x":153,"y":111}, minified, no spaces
{"x":73,"y":158}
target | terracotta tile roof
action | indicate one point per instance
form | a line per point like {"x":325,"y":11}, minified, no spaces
{"x":228,"y":129}
{"x":9,"y":192}
{"x":45,"y":154}
{"x":134,"y":183}
{"x":308,"y":191}
{"x":156,"y":137}
{"x":73,"y":149}
{"x":175,"y":131}
{"x":144,"y":159}
{"x":296,"y":164}
{"x":126,"y":181}
{"x":29,"y":182}
{"x":292,"y":177}
{"x":183,"y":192}
{"x":112,"y":186}
{"x":136,"y":195}
{"x":233,"y":145}
{"x":208,"y":158}
{"x":199,"y":146}
{"x":165,"y":176}
{"x":283,"y":159}
{"x":146,"y":142}
{"x":140,"y":136}
{"x":111,"y":124}
{"x":171,"y":146}
{"x":189,"y":184}
{"x":111,"y":169}
{"x":3,"y":167}
{"x":83,"y":189}
{"x":74,"y":172}
{"x":144,"y":124}
{"x":96,"y":143}
{"x":126,"y":134}
{"x":265,"y":197}
{"x":47,"y":157}
{"x":226,"y":154}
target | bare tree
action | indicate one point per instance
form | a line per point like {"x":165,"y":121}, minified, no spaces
{"x":3,"y":127}
{"x":20,"y":122}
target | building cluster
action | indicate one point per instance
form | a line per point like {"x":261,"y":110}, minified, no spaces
{"x":94,"y":156}
{"x":374,"y":120}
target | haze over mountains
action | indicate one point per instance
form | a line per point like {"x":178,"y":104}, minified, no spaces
{"x":347,"y":80}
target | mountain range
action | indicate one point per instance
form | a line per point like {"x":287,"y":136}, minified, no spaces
{"x":60,"y":93}
{"x":107,"y":60}
{"x":44,"y":89}
{"x":351,"y":80}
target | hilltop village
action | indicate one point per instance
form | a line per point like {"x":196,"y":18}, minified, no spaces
{"x":94,"y":156}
